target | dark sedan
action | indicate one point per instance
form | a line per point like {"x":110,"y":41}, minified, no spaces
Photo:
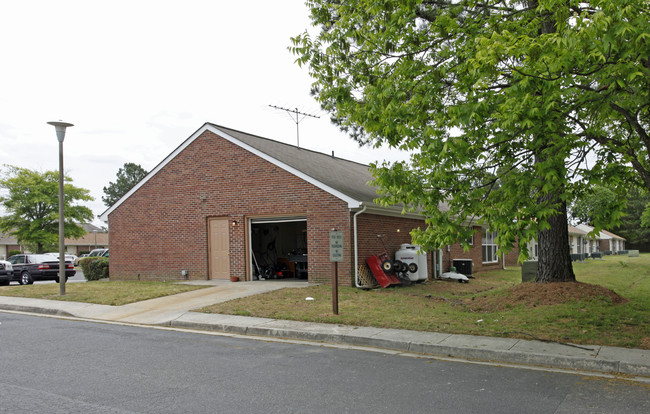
{"x":6,"y":272}
{"x":31,"y":267}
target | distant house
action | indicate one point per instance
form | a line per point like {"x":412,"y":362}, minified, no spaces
{"x":581,"y":241}
{"x":604,"y":241}
{"x":7,"y":244}
{"x":578,"y":242}
{"x":226,"y":202}
{"x":95,"y":237}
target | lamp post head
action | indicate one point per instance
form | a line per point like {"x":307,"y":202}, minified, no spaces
{"x":60,"y":127}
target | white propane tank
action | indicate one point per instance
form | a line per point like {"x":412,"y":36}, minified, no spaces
{"x":423,"y":269}
{"x":407,"y":254}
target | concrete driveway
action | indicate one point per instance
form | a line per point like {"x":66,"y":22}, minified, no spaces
{"x":168,"y":308}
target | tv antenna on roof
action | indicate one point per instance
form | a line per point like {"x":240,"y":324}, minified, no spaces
{"x":297,"y":118}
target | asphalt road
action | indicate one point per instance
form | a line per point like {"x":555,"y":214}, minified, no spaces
{"x":62,"y":366}
{"x":78,"y":277}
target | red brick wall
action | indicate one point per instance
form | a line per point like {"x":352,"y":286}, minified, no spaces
{"x":369,"y":226}
{"x":456,"y":252}
{"x":162,"y":228}
{"x":7,"y":248}
{"x":603,"y":245}
{"x":394,"y":231}
{"x":476,"y":255}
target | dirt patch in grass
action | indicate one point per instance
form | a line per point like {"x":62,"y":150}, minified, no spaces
{"x":645,"y":343}
{"x":544,"y":294}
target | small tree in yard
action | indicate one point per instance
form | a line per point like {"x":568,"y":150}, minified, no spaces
{"x":32,"y":204}
{"x":505,"y":105}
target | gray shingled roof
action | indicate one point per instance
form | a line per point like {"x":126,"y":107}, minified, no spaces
{"x":348,"y":180}
{"x":348,"y":177}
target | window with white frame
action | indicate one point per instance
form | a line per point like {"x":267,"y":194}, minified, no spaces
{"x":489,"y":247}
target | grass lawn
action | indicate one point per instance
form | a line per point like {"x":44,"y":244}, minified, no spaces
{"x":100,"y":292}
{"x":484,"y":306}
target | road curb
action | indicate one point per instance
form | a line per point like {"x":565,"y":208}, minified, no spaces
{"x":35,"y":309}
{"x":603,"y":359}
{"x":374,"y":337}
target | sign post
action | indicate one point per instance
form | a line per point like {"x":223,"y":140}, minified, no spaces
{"x":336,"y":256}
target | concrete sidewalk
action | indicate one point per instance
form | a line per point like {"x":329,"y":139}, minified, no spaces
{"x":176,"y":310}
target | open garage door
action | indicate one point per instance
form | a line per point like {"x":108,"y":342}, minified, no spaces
{"x":278,"y":248}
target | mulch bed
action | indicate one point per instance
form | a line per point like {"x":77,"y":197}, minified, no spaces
{"x":542,"y":294}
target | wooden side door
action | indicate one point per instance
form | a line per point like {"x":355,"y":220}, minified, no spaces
{"x":219,"y":248}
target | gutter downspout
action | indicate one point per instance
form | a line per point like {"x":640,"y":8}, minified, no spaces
{"x":503,"y":259}
{"x":356,"y":248}
{"x":434,"y":262}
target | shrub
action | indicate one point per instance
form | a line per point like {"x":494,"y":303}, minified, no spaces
{"x":94,"y":268}
{"x":83,"y":262}
{"x":12,"y":252}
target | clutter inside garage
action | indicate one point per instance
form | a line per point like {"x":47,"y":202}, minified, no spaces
{"x":279,"y":249}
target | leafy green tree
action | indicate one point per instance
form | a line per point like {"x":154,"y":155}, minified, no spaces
{"x":645,"y":217}
{"x":595,"y":208}
{"x":127,"y":177}
{"x":502,"y":103}
{"x":632,"y":226}
{"x":32,"y":202}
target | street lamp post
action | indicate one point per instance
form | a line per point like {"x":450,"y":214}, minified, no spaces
{"x":60,"y":136}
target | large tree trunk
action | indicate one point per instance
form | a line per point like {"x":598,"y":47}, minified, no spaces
{"x":554,"y":258}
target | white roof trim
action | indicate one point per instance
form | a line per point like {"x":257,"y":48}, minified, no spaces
{"x":352,"y":203}
{"x":588,"y":229}
{"x":390,"y":211}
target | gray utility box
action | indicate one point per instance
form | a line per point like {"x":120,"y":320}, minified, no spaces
{"x":529,"y":271}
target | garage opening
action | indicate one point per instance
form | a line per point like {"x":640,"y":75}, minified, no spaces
{"x":278,"y":248}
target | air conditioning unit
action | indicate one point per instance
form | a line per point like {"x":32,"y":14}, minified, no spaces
{"x":577,"y":257}
{"x":463,"y":266}
{"x":529,"y":271}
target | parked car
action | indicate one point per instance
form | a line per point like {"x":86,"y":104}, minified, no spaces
{"x":30,"y":267}
{"x":98,"y":252}
{"x":68,"y":257}
{"x":6,"y":272}
{"x":76,"y":262}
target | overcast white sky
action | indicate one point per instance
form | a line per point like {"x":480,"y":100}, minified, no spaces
{"x":138,"y":77}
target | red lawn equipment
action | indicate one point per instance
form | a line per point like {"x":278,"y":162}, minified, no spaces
{"x":389,"y":272}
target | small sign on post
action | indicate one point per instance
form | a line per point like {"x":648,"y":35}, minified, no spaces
{"x":336,"y":256}
{"x":336,"y":246}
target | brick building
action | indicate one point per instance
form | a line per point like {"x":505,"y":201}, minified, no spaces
{"x":225,"y":202}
